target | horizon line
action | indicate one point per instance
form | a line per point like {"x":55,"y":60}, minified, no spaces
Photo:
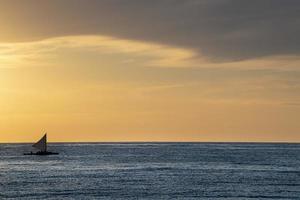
{"x":83,"y":142}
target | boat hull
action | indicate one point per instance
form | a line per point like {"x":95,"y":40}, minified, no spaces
{"x":41,"y":153}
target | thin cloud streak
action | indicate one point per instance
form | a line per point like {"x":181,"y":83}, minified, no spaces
{"x":147,"y":54}
{"x":154,"y":54}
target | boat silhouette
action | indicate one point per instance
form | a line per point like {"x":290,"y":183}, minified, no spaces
{"x":41,"y":145}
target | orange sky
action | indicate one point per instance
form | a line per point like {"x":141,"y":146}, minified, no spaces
{"x":107,"y":87}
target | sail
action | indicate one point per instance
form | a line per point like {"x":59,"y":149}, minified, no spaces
{"x":41,"y":144}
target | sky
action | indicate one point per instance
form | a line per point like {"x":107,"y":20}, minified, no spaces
{"x":159,"y":70}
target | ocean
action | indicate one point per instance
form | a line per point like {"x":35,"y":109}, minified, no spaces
{"x":152,"y":171}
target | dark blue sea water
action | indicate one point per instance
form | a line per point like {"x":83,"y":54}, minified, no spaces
{"x":152,"y":171}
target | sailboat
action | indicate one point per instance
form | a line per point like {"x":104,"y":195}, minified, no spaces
{"x":41,"y":145}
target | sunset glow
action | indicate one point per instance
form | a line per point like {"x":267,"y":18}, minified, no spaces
{"x":80,"y":83}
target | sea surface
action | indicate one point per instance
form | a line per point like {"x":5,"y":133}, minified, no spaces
{"x":152,"y":171}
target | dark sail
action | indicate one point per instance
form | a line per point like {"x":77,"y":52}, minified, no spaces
{"x":41,"y":144}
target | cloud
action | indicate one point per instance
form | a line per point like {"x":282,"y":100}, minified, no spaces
{"x":126,"y":52}
{"x":40,"y":53}
{"x":221,"y":30}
